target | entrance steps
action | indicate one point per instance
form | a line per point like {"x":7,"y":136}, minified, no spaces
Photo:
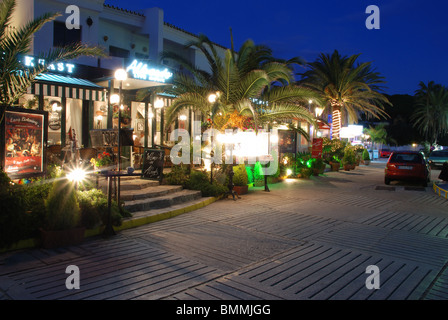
{"x":148,"y":201}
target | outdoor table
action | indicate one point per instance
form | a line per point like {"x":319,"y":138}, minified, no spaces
{"x":109,"y":230}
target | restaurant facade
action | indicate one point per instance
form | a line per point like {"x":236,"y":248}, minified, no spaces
{"x":75,"y":103}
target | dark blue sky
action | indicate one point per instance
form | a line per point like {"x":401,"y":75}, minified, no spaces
{"x":410,"y":46}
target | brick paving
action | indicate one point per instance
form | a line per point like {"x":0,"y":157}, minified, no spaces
{"x":304,"y":240}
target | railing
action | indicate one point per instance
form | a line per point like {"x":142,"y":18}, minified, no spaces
{"x":439,"y":190}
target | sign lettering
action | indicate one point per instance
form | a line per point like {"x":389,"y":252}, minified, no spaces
{"x":142,"y":71}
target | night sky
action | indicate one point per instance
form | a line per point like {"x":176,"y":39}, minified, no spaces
{"x":410,"y":46}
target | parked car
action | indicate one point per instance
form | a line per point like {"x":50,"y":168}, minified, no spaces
{"x":385,"y":153}
{"x":437,"y":158}
{"x":407,"y":165}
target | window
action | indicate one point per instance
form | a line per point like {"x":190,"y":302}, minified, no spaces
{"x":63,"y":36}
{"x":118,"y":52}
{"x":406,"y":157}
{"x":141,"y":56}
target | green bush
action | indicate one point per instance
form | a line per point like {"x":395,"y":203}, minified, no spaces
{"x":200,"y":180}
{"x":240,"y":175}
{"x":178,"y":175}
{"x":12,"y":212}
{"x":62,"y":208}
{"x":250,"y":174}
{"x":365,"y":155}
{"x":34,"y":195}
{"x":318,"y":163}
{"x":349,"y":155}
{"x":94,"y":209}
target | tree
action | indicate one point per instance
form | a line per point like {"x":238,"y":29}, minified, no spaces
{"x":347,"y":87}
{"x":377,"y":134}
{"x":15,"y":78}
{"x":430,"y":116}
{"x":250,"y":82}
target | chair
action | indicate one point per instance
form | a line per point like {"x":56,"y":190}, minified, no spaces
{"x":85,"y":154}
{"x":54,"y":154}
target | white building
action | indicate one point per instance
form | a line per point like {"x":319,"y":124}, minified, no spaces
{"x":79,"y":91}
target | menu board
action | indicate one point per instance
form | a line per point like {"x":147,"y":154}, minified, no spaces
{"x":316,"y":150}
{"x":24,"y":143}
{"x":153,"y":164}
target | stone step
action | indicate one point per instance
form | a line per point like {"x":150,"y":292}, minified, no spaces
{"x":131,"y":184}
{"x":149,"y":192}
{"x":163,"y":213}
{"x":162,"y":201}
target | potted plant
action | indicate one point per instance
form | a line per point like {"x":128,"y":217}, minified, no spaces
{"x":366,"y":157}
{"x":305,"y":172}
{"x":335,"y":163}
{"x":349,"y":159}
{"x":240,"y":179}
{"x":62,"y":217}
{"x":318,"y":166}
{"x":102,"y":160}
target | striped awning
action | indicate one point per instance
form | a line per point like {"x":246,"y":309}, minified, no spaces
{"x":62,"y":86}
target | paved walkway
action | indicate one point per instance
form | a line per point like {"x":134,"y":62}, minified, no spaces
{"x":304,"y":240}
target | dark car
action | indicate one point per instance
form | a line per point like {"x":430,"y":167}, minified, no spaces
{"x":437,"y":158}
{"x":385,"y":153}
{"x":407,"y":165}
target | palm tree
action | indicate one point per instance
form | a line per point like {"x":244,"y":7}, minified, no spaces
{"x":15,"y":78}
{"x":377,"y":134}
{"x":249,"y":82}
{"x":430,"y":116}
{"x":346,"y":87}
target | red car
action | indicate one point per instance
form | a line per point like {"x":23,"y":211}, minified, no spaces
{"x":385,"y":153}
{"x":407,"y":165}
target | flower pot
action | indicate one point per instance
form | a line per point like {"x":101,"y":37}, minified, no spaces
{"x":347,"y":167}
{"x":241,"y":189}
{"x":366,"y":162}
{"x":335,"y":166}
{"x":61,"y":238}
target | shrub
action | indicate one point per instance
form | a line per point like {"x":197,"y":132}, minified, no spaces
{"x":12,"y":212}
{"x":34,"y":195}
{"x":240,"y":175}
{"x":349,"y":155}
{"x":62,"y":208}
{"x":318,"y":163}
{"x":199,"y":180}
{"x":250,"y":174}
{"x":178,"y":175}
{"x":365,"y":155}
{"x":94,"y":209}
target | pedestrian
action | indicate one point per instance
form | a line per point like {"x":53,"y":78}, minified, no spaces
{"x":444,"y":172}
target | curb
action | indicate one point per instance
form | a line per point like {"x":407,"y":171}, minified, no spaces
{"x":438,"y":190}
{"x":126,"y":224}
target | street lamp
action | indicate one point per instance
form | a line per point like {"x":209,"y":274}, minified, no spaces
{"x":212,"y":99}
{"x":120,"y":75}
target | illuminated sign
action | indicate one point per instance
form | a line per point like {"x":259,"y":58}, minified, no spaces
{"x":62,"y":67}
{"x":140,"y":70}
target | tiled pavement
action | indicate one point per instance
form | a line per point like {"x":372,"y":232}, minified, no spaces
{"x":304,"y":240}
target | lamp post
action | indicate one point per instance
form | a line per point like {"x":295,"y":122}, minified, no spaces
{"x":120,"y":75}
{"x":212,"y":99}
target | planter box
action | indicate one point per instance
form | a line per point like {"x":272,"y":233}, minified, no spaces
{"x":241,"y":189}
{"x":335,"y":166}
{"x":61,"y":238}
